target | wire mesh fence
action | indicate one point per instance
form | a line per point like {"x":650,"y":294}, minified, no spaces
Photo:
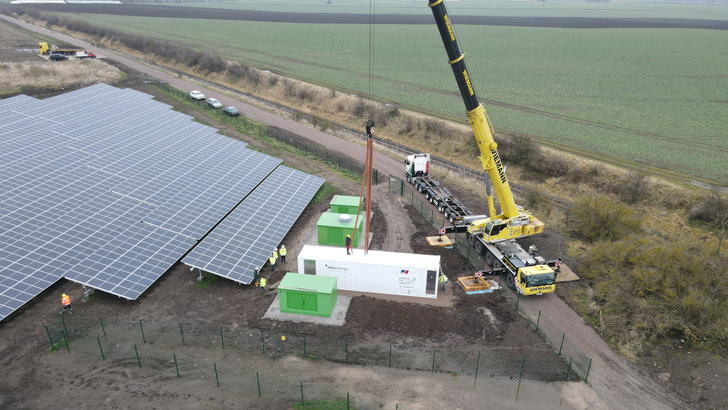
{"x":578,"y":363}
{"x":99,"y":337}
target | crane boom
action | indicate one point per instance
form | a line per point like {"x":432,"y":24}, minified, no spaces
{"x":518,"y":221}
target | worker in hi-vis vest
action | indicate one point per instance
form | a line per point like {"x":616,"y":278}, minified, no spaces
{"x":282,"y":252}
{"x":66,"y":302}
{"x":443,"y":280}
{"x":272,"y":261}
{"x":262,"y":283}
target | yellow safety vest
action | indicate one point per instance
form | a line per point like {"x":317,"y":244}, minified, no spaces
{"x":262,"y":282}
{"x":275,"y":255}
{"x":272,"y":260}
{"x":443,"y":278}
{"x":283,"y":251}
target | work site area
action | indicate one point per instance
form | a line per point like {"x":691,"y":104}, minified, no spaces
{"x":173,"y":238}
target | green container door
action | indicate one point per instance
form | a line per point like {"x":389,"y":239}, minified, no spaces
{"x":302,"y":301}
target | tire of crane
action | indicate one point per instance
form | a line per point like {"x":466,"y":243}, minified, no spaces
{"x":478,"y":247}
{"x":489,"y":259}
{"x":511,"y":280}
{"x":439,"y":208}
{"x":451,"y":219}
{"x":471,"y":239}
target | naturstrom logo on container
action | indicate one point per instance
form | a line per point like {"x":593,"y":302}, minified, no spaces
{"x":404,"y":271}
{"x":339,"y":268}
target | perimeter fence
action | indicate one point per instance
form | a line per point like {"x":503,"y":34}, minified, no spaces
{"x":93,"y":336}
{"x":297,"y":144}
{"x":544,"y":326}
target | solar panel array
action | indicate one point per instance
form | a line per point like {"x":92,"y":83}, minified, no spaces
{"x":107,"y":202}
{"x":246,"y":238}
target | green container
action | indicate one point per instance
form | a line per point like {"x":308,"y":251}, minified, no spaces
{"x":307,"y":294}
{"x":333,"y":232}
{"x":342,"y":204}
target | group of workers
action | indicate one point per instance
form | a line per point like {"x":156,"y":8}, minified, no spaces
{"x":258,"y":279}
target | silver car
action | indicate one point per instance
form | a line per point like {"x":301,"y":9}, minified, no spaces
{"x":214,"y":103}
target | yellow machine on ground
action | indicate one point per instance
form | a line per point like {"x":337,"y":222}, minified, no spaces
{"x":494,"y":236}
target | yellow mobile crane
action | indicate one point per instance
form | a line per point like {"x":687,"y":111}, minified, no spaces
{"x":494,"y":236}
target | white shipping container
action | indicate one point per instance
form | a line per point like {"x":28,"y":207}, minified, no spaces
{"x":390,"y":273}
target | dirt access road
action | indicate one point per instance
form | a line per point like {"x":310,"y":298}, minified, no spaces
{"x":615,"y":380}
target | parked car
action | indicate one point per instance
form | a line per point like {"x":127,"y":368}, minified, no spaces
{"x":196,"y":95}
{"x":231,"y":111}
{"x":57,"y":57}
{"x":85,"y":54}
{"x":214,"y":103}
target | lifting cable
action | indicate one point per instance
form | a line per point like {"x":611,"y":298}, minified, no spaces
{"x":368,"y":161}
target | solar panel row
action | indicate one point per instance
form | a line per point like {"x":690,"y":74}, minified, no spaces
{"x":245,"y":239}
{"x":109,"y":188}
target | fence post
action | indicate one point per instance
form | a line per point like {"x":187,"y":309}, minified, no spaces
{"x":477,"y":366}
{"x":562,"y":343}
{"x":302,"y":405}
{"x":50,"y":339}
{"x":587,"y":371}
{"x":258,"y":379}
{"x":217,"y":379}
{"x":181,"y":333}
{"x":102,"y":350}
{"x":520,"y":377}
{"x":401,"y":188}
{"x":137,"y":355}
{"x":433,"y":360}
{"x":538,"y":322}
{"x":64,"y":323}
{"x":568,"y":370}
{"x":390,"y":355}
{"x":222,"y":339}
{"x":175,"y":363}
{"x":103,"y":329}
{"x":144,"y":339}
{"x":65,"y":337}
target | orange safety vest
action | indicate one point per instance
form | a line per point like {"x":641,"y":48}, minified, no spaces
{"x":66,"y":300}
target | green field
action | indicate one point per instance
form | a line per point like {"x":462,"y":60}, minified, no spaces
{"x":650,"y":96}
{"x":489,"y":8}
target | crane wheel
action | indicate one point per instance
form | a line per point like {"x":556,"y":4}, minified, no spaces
{"x":489,"y":259}
{"x":479,"y":247}
{"x":511,"y":281}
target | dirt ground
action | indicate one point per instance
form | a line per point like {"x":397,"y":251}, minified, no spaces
{"x":82,"y":381}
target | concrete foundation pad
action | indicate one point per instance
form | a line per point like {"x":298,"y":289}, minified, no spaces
{"x":337,"y":317}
